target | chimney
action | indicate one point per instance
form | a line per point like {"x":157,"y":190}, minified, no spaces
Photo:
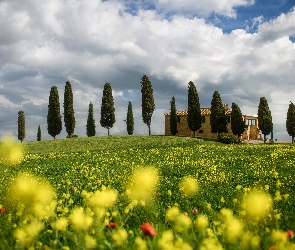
{"x":225,"y":107}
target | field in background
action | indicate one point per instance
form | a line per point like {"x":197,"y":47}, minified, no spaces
{"x":224,"y":173}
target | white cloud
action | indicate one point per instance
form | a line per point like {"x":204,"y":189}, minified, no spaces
{"x":90,"y":43}
{"x":203,"y":7}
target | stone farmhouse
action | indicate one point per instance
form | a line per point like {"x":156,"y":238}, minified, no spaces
{"x":251,"y":125}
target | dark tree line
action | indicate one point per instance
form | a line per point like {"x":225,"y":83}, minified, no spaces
{"x":218,"y":120}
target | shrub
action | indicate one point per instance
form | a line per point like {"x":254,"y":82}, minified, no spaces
{"x":227,"y":139}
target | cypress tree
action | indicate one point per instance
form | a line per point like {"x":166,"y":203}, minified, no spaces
{"x":21,"y":126}
{"x":194,"y":117}
{"x":173,"y":117}
{"x":107,"y":119}
{"x":54,"y":121}
{"x":290,"y":121}
{"x":264,"y":118}
{"x":237,"y":123}
{"x":90,"y":127}
{"x":147,"y":101}
{"x":130,"y":119}
{"x":218,"y":119}
{"x":39,"y":134}
{"x":69,"y":113}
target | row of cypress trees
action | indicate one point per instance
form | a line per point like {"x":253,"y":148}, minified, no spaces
{"x":218,"y":120}
{"x":107,"y":120}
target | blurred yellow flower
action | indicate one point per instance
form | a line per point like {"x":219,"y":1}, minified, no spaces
{"x":79,"y":220}
{"x":188,"y":186}
{"x":182,"y":223}
{"x":172,"y":213}
{"x":90,"y":242}
{"x":119,"y":236}
{"x":105,"y":198}
{"x":140,"y":243}
{"x":202,"y":222}
{"x":257,"y":204}
{"x":11,"y":150}
{"x":60,"y":224}
{"x":143,"y":183}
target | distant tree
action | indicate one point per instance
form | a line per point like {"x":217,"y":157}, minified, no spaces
{"x":218,"y":119}
{"x":130,"y":119}
{"x":69,"y":113}
{"x":173,"y":117}
{"x":290,"y":121}
{"x":21,"y":126}
{"x":147,"y":101}
{"x":264,"y":118}
{"x":107,"y":119}
{"x":39,"y":134}
{"x":237,"y":122}
{"x":194,"y":117}
{"x":54,"y":121}
{"x":90,"y":127}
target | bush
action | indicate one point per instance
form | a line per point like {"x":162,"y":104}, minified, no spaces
{"x":227,"y":139}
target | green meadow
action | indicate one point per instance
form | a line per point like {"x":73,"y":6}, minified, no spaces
{"x":97,"y":193}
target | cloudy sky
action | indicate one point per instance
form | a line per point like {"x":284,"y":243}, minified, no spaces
{"x":245,"y":49}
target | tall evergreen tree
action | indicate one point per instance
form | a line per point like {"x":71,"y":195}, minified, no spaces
{"x":290,"y":121}
{"x":130,"y":119}
{"x":21,"y":126}
{"x":237,"y":122}
{"x":69,"y":113}
{"x":54,"y":119}
{"x":147,"y":101}
{"x":218,"y":119}
{"x":39,"y":133}
{"x":194,"y":117}
{"x":264,"y":118}
{"x":107,"y":119}
{"x":90,"y":127}
{"x":173,"y":117}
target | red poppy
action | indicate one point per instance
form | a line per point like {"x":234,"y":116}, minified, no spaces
{"x":195,"y":211}
{"x":148,"y":230}
{"x":273,"y":248}
{"x":112,"y":225}
{"x":2,"y":210}
{"x":290,"y":234}
{"x":74,"y":189}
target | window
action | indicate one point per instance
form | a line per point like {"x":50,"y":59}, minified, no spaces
{"x":203,"y":119}
{"x":201,"y":131}
{"x":250,"y":122}
{"x":178,"y":119}
{"x":228,"y":118}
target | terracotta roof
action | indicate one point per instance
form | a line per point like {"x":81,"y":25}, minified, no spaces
{"x":204,"y":111}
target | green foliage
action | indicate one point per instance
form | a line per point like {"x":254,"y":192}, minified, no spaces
{"x":130,"y":119}
{"x":147,"y":101}
{"x":264,"y":118}
{"x":194,"y":118}
{"x":290,"y":121}
{"x":218,"y":119}
{"x":90,"y":126}
{"x":21,"y":125}
{"x":107,"y":118}
{"x":173,"y":117}
{"x":54,"y":121}
{"x":237,"y":123}
{"x":226,"y":138}
{"x":39,"y":133}
{"x":69,"y":113}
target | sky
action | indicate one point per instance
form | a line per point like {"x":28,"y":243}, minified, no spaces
{"x":244,"y":49}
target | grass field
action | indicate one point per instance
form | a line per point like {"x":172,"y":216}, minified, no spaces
{"x":96,"y":193}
